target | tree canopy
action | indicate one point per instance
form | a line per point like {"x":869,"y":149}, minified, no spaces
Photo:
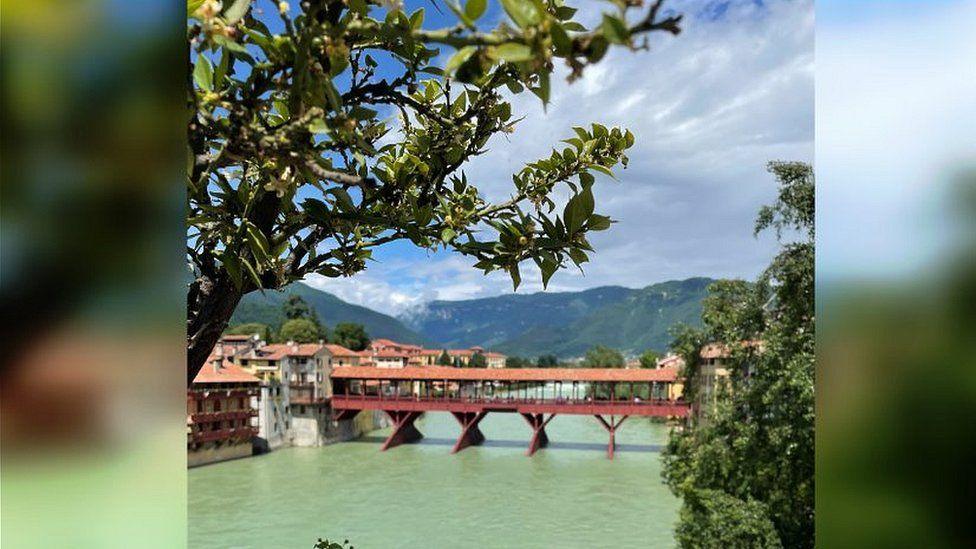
{"x":602,"y":356}
{"x":547,"y":361}
{"x":477,"y":360}
{"x":343,"y":130}
{"x":249,"y":328}
{"x":648,"y":358}
{"x":350,"y":335}
{"x":444,"y":359}
{"x":299,"y":330}
{"x":749,"y":460}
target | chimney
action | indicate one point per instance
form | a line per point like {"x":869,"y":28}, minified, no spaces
{"x":218,"y":358}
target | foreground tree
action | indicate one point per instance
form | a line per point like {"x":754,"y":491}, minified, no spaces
{"x":745,"y":468}
{"x":295,"y":170}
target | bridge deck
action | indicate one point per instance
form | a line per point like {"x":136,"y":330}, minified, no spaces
{"x":561,"y":406}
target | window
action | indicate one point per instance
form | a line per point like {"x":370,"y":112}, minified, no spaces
{"x":301,"y":410}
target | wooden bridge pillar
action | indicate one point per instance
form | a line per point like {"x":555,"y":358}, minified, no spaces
{"x":471,"y":435}
{"x":403,"y":429}
{"x":611,"y":428}
{"x":538,"y":425}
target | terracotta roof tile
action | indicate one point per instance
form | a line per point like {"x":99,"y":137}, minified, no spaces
{"x":227,"y":373}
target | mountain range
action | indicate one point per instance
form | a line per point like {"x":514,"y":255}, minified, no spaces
{"x":562,"y":323}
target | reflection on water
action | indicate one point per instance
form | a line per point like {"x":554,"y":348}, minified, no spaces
{"x":419,"y":495}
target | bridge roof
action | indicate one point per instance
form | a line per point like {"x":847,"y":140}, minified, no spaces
{"x":506,"y":374}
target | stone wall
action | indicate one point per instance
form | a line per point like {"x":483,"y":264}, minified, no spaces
{"x":211,"y":453}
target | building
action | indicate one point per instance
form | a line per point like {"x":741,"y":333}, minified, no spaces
{"x":339,"y":356}
{"x":461,"y":357}
{"x":713,"y":368}
{"x":220,"y":412}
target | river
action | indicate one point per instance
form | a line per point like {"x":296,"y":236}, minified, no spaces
{"x":419,"y":495}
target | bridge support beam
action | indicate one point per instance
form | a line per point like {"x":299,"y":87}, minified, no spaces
{"x":404,"y":431}
{"x":611,"y":428}
{"x":471,"y":435}
{"x":340,"y":415}
{"x":538,"y":425}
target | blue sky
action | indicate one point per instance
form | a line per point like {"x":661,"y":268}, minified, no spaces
{"x":708,"y":108}
{"x":896,"y":119}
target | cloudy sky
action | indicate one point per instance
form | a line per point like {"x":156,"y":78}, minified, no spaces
{"x":708,"y":109}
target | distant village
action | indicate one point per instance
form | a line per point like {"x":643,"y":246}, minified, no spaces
{"x":253,"y":397}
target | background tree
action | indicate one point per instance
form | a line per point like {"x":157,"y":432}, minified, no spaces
{"x":296,"y":307}
{"x":602,"y":356}
{"x":444,"y":359}
{"x":477,"y":360}
{"x":649,"y":358}
{"x":750,"y":460}
{"x":547,"y":361}
{"x":350,"y":335}
{"x":294,"y":168}
{"x":518,"y":362}
{"x":248,"y":328}
{"x":300,"y":330}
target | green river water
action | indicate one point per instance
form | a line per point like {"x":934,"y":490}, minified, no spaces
{"x":419,"y":495}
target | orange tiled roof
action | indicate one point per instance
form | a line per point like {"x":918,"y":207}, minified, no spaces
{"x":297,"y":349}
{"x":339,"y":350}
{"x":721,"y":350}
{"x":505,"y":374}
{"x":228,"y":372}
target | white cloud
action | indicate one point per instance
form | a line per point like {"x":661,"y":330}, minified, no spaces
{"x":708,"y":108}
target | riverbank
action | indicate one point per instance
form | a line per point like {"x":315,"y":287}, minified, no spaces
{"x":567,"y":495}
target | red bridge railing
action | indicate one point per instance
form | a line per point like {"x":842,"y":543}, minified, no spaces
{"x":470,"y":394}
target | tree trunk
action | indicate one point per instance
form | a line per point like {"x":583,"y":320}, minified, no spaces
{"x":210,"y":304}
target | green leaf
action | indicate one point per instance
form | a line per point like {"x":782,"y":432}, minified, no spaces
{"x":548,"y":268}
{"x":560,"y":40}
{"x":258,"y":244}
{"x":417,"y":19}
{"x":236,"y":11}
{"x":523,"y":12}
{"x":474,"y":9}
{"x":578,"y":256}
{"x":203,"y":73}
{"x":542,"y":90}
{"x":598,"y":222}
{"x":512,"y":52}
{"x":318,"y":125}
{"x":459,"y":58}
{"x":251,"y":272}
{"x":192,"y":6}
{"x":516,"y":276}
{"x":233,"y":267}
{"x":447,"y":235}
{"x":565,"y":13}
{"x":615,"y":30}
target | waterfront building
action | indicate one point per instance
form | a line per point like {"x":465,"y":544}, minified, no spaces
{"x":220,"y":411}
{"x":339,"y":356}
{"x":461,"y":357}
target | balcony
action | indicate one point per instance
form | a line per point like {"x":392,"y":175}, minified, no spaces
{"x":209,"y":417}
{"x":304,"y":393}
{"x":242,"y":434}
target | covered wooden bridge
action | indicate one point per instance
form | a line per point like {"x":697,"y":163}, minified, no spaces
{"x":537,"y":394}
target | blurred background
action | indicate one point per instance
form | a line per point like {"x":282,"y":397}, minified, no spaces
{"x":896,"y":273}
{"x":92,"y":402}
